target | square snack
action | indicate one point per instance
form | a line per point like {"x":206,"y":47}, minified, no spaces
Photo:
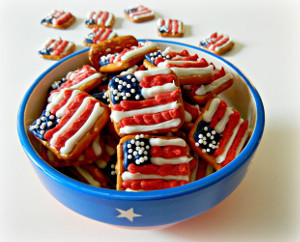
{"x":170,"y":27}
{"x":70,"y":122}
{"x":58,"y":19}
{"x":146,"y":102}
{"x":98,"y":35}
{"x":217,"y":43}
{"x":139,"y":14}
{"x":56,"y":49}
{"x":152,"y":162}
{"x":100,"y":19}
{"x":219,"y":134}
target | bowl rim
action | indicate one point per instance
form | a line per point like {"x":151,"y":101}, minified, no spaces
{"x":242,"y":158}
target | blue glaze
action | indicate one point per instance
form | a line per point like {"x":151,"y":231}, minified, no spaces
{"x":48,"y":20}
{"x":130,"y":10}
{"x":44,"y":123}
{"x":129,"y":89}
{"x":152,"y":56}
{"x":109,"y":170}
{"x":90,"y":38}
{"x":205,"y":42}
{"x":45,"y":51}
{"x":134,"y":150}
{"x":101,"y":96}
{"x":163,"y":29}
{"x":105,"y":60}
{"x":211,"y":138}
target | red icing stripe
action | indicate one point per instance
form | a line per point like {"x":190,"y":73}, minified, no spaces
{"x":157,"y":80}
{"x":151,"y":184}
{"x":226,"y":39}
{"x":157,"y":100}
{"x":98,"y":34}
{"x":67,"y":95}
{"x":193,"y":110}
{"x":106,"y":34}
{"x":169,"y":151}
{"x":61,"y":47}
{"x":105,"y":16}
{"x":219,"y":74}
{"x":187,"y":58}
{"x":80,"y":121}
{"x":162,"y":170}
{"x":71,"y":110}
{"x":201,"y":63}
{"x":228,"y":131}
{"x":64,"y":19}
{"x":150,"y":119}
{"x":231,"y":154}
{"x":218,"y":114}
{"x":170,"y":26}
{"x":176,"y":26}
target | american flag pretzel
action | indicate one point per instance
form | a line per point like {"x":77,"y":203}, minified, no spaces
{"x":217,"y":43}
{"x":146,"y":102}
{"x":58,"y":19}
{"x":100,"y":19}
{"x":152,"y":162}
{"x":70,"y":122}
{"x":139,"y":14}
{"x":99,"y":34}
{"x":56,"y":49}
{"x":170,"y":27}
{"x":219,"y":133}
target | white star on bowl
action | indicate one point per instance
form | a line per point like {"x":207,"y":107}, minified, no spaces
{"x":129,"y":214}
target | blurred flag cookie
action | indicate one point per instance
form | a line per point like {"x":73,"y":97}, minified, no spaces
{"x":92,"y":153}
{"x":217,"y":43}
{"x":202,"y":94}
{"x":170,"y":27}
{"x":219,"y":134}
{"x":83,"y":79}
{"x":110,"y":46}
{"x":102,"y":19}
{"x":191,"y":72}
{"x":58,"y":19}
{"x":139,"y":14}
{"x":153,"y":59}
{"x":146,"y":102}
{"x":98,"y":35}
{"x":70,"y":122}
{"x":56,"y":49}
{"x":152,"y":163}
{"x":127,"y":57}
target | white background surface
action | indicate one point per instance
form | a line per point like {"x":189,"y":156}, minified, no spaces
{"x":265,"y":207}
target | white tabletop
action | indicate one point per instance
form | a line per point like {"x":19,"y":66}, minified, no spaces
{"x":265,"y":207}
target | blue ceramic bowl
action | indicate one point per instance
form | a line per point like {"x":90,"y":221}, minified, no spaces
{"x":152,"y":208}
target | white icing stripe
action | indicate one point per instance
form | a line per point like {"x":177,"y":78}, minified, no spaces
{"x":187,"y":117}
{"x":96,"y":146}
{"x":90,"y":179}
{"x":119,"y":115}
{"x":243,"y":140}
{"x":86,"y":80}
{"x":160,"y":70}
{"x":221,"y":46}
{"x":70,"y":143}
{"x":219,"y":128}
{"x":137,"y":51}
{"x":179,"y":71}
{"x":222,"y":157}
{"x":53,"y":100}
{"x":130,"y":70}
{"x":70,"y":121}
{"x":173,"y":161}
{"x":212,"y":86}
{"x":166,"y":142}
{"x":138,"y":176}
{"x":63,"y":109}
{"x":152,"y":91}
{"x":55,"y":20}
{"x":208,"y":114}
{"x":144,"y":128}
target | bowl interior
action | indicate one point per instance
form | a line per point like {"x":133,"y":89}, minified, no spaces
{"x":242,"y":96}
